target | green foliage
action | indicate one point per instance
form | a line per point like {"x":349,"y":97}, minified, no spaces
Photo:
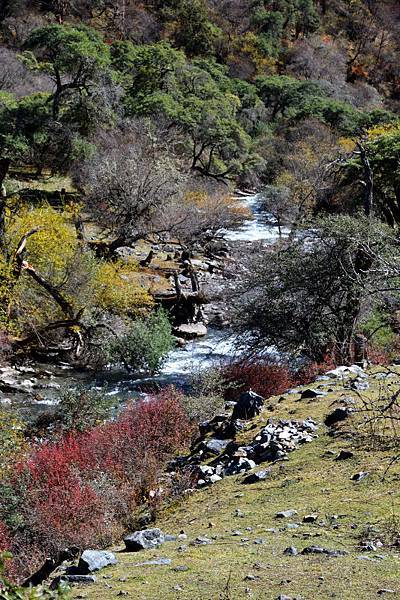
{"x":287,"y":18}
{"x":194,"y":32}
{"x":383,"y":151}
{"x":82,"y":408}
{"x":308,"y":296}
{"x":145,"y":345}
{"x":61,"y":50}
{"x":197,"y":97}
{"x":378,"y":330}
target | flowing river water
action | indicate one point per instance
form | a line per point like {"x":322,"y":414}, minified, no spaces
{"x":216,"y":347}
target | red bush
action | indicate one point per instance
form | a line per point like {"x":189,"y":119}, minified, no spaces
{"x":80,"y":490}
{"x":264,"y":378}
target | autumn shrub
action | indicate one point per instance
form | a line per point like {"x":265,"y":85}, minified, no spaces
{"x":263,"y":377}
{"x":117,"y":288}
{"x":81,"y":490}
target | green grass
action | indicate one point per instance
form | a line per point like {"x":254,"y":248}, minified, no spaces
{"x":310,"y":481}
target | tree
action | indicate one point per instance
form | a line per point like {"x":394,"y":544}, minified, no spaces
{"x":374,"y":168}
{"x":309,"y":296}
{"x":194,"y":32}
{"x":197,"y":98}
{"x":73,"y":57}
{"x":128,"y":182}
{"x":277,"y":201}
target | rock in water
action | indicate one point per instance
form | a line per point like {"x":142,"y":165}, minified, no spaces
{"x":94,"y":560}
{"x":144,"y":540}
{"x":191,"y":331}
{"x":248,"y":406}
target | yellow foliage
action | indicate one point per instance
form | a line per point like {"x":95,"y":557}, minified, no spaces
{"x":12,"y":441}
{"x":385,"y":129}
{"x":52,"y":247}
{"x":347,"y":144}
{"x":117,"y":288}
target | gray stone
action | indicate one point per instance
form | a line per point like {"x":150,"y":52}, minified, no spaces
{"x":79,"y":578}
{"x":339,"y":414}
{"x":311,"y":393}
{"x":191,"y":330}
{"x":94,"y":560}
{"x":344,"y":455}
{"x":360,"y":476}
{"x":310,"y":518}
{"x":144,"y":540}
{"x":291,"y":551}
{"x":319,"y":550}
{"x":215,"y":446}
{"x":257,"y":476}
{"x":248,"y":406}
{"x":201,"y":540}
{"x":286,"y":514}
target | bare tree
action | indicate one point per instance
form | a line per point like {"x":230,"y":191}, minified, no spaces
{"x":129,"y":181}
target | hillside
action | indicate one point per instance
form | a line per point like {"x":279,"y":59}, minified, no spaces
{"x":199,"y":202}
{"x":245,"y":556}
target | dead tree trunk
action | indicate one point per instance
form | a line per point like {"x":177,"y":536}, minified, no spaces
{"x":368,"y":181}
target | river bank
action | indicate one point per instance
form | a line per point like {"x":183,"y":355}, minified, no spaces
{"x":33,"y":388}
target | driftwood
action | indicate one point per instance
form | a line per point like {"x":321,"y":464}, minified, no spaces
{"x":184,"y":307}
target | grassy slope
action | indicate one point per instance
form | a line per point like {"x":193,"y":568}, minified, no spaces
{"x":310,"y":481}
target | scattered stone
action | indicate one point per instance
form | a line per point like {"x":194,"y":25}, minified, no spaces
{"x":359,"y":476}
{"x":284,"y":597}
{"x":248,"y":406}
{"x":345,"y":371}
{"x":312,"y":518}
{"x":286,"y":514}
{"x":181,"y":569}
{"x":178,"y":588}
{"x":310,"y":393}
{"x":156,"y":561}
{"x":123,"y":593}
{"x":344,"y":455}
{"x":143,"y":540}
{"x":368,"y":547}
{"x":359,"y":385}
{"x":385,"y":591}
{"x":201,"y":540}
{"x":257,"y":476}
{"x":239,"y":513}
{"x":339,"y":414}
{"x":94,"y":560}
{"x":77,"y":578}
{"x":319,"y":550}
{"x":169,"y":538}
{"x":215,"y":446}
{"x":291,"y":551}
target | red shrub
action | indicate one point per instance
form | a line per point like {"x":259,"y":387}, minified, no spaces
{"x":80,"y":490}
{"x":264,"y":378}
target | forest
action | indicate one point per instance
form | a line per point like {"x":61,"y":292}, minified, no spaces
{"x":132,"y":134}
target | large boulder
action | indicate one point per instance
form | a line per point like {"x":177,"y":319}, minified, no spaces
{"x":144,"y":540}
{"x":248,"y":406}
{"x":94,"y":560}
